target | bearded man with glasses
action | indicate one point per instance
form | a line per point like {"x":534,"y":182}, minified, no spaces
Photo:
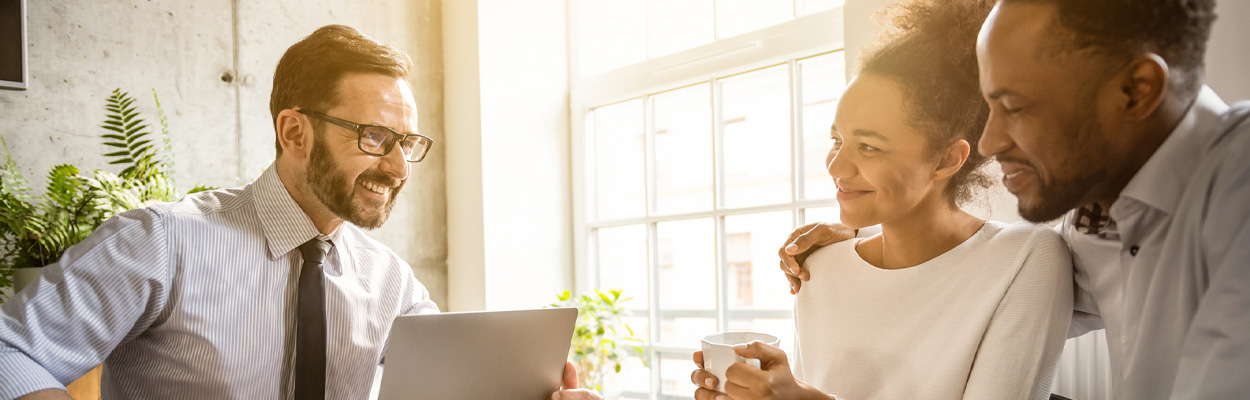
{"x":267,"y":291}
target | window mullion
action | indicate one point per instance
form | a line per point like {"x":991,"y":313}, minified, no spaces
{"x":653,"y":248}
{"x":796,"y":137}
{"x":649,"y":150}
{"x":718,"y":185}
{"x":653,"y":281}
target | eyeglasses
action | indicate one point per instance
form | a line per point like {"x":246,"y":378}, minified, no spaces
{"x":379,"y":140}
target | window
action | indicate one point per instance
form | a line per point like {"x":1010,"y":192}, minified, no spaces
{"x":700,"y":134}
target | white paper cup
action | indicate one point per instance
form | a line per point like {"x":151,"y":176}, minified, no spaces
{"x":718,"y":352}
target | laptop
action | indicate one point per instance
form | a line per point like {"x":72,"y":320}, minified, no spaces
{"x":477,"y":355}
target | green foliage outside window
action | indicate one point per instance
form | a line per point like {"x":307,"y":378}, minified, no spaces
{"x":601,"y":339}
{"x":35,"y":231}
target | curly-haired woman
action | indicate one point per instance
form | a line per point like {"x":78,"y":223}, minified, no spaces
{"x":940,"y":304}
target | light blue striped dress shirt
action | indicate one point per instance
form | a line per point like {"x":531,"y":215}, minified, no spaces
{"x":197,"y":299}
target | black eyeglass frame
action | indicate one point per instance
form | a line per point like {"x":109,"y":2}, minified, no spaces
{"x":394,"y":138}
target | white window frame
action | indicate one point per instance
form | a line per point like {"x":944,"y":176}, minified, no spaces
{"x":800,"y":38}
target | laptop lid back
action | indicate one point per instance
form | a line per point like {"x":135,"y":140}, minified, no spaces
{"x":478,"y":355}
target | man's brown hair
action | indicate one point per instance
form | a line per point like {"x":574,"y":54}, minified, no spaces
{"x":308,"y":74}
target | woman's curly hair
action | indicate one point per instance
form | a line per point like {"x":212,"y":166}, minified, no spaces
{"x":928,"y":48}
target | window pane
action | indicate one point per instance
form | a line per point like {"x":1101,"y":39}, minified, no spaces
{"x":633,"y":383}
{"x":756,"y":112}
{"x":620,"y":165}
{"x":806,"y":7}
{"x":683,"y":150}
{"x":759,"y":299}
{"x":687,"y":268}
{"x":741,"y":16}
{"x":824,"y":79}
{"x":613,"y":34}
{"x":821,"y":214}
{"x":676,"y":25}
{"x":622,"y":257}
{"x":675,"y":370}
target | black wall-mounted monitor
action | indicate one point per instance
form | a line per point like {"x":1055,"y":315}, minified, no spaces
{"x":13,"y":73}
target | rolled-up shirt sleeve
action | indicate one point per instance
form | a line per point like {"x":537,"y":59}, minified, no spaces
{"x":103,"y":291}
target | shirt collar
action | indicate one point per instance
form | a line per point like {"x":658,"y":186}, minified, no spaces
{"x":1159,"y":182}
{"x":284,"y":223}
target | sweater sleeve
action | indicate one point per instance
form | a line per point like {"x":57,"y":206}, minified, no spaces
{"x":1018,"y":353}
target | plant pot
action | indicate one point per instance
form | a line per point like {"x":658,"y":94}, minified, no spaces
{"x":24,"y":276}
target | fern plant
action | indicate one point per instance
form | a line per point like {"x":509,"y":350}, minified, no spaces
{"x":36,"y":231}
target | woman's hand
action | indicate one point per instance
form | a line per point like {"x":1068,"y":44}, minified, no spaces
{"x":773,"y":380}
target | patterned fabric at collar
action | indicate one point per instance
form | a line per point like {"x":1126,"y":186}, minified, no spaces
{"x":1094,"y":219}
{"x":285,"y":224}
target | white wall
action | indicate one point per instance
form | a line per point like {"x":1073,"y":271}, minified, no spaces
{"x":508,"y":191}
{"x":1228,"y":52}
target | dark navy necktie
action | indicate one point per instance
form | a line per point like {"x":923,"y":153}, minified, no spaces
{"x":310,"y":342}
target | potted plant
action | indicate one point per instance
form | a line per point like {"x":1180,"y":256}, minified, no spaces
{"x":35,"y":231}
{"x":601,"y":338}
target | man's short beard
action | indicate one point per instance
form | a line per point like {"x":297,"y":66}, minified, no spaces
{"x":1055,"y":200}
{"x":332,"y":188}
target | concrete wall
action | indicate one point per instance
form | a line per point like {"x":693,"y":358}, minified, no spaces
{"x":221,"y":132}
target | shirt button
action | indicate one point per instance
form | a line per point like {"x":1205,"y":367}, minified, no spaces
{"x":1133,"y":250}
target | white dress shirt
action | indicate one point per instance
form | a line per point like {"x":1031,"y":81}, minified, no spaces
{"x":984,"y":320}
{"x":1173,"y":289}
{"x":197,"y":299}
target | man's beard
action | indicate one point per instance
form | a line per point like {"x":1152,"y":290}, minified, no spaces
{"x":1053,"y":200}
{"x":333,"y":189}
{"x":1057,"y":195}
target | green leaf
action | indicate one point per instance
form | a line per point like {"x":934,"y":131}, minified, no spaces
{"x":63,"y":185}
{"x":143,"y":153}
{"x":200,"y":188}
{"x":136,"y":145}
{"x":564,"y":296}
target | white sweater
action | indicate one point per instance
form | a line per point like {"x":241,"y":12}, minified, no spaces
{"x":985,"y":320}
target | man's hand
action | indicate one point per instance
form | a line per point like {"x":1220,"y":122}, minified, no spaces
{"x":568,"y":386}
{"x":773,"y":380}
{"x":802,"y":242}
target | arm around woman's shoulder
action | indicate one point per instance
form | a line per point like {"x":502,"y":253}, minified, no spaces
{"x":1021,"y":346}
